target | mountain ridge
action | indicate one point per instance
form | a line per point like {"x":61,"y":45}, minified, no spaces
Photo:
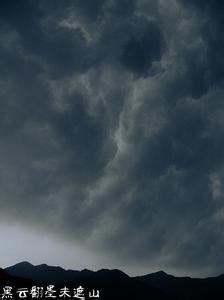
{"x":159,"y":285}
{"x":53,"y":267}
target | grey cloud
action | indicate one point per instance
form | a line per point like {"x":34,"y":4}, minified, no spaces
{"x":144,"y":48}
{"x":111,"y":128}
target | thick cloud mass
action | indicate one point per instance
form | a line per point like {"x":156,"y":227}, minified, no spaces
{"x":111,"y":127}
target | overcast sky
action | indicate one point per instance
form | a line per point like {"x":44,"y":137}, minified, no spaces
{"x":111,"y":134}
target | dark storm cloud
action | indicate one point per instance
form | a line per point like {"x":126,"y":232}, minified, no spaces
{"x":111,"y":124}
{"x":211,"y":14}
{"x":142,"y":49}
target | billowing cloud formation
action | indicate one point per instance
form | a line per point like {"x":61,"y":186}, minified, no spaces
{"x":111,"y":125}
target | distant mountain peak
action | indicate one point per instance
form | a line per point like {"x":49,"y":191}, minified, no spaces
{"x":45,"y":266}
{"x":86,"y":270}
{"x":161,"y":273}
{"x":23,"y":264}
{"x":42,"y":265}
{"x":113,"y":272}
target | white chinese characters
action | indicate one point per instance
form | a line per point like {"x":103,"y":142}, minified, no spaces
{"x":38,"y":292}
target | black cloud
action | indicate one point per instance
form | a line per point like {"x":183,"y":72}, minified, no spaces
{"x":111,"y":127}
{"x":144,"y":48}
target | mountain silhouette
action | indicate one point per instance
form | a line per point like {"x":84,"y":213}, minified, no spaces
{"x":43,"y":272}
{"x":112,"y":284}
{"x":185,"y":288}
{"x":115,"y":284}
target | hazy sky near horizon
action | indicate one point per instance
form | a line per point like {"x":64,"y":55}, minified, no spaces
{"x":111,"y":134}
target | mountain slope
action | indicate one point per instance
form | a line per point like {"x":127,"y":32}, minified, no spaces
{"x":115,"y":284}
{"x":112,"y":284}
{"x":185,"y":287}
{"x":42,"y":272}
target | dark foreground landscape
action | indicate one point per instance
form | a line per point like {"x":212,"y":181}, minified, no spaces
{"x":111,"y":284}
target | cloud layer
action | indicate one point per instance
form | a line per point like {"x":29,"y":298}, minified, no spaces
{"x":111,"y":126}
